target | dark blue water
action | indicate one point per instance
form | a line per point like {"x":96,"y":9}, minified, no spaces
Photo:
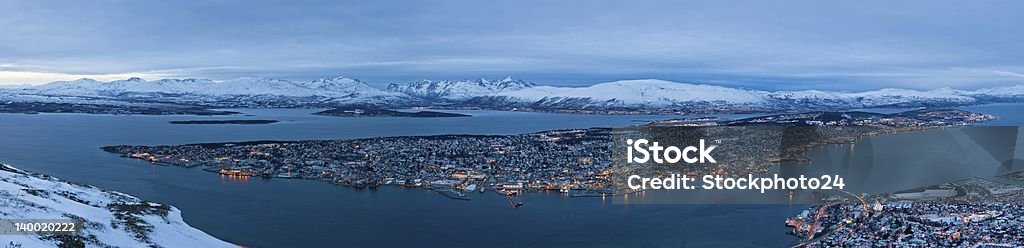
{"x":1007,"y":114}
{"x":297,"y":213}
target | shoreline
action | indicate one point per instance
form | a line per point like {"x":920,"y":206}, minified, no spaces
{"x":107,"y":218}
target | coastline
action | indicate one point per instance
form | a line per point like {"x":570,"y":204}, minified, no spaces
{"x":108,"y":218}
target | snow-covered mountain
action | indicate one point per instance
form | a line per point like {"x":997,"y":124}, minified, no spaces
{"x":459,"y":90}
{"x":1006,"y":94}
{"x":867,"y":99}
{"x":655,"y":94}
{"x":109,"y":219}
{"x":90,"y":87}
{"x":240,"y":92}
{"x":638,"y":93}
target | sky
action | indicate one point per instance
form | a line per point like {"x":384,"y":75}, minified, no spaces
{"x":777,"y":45}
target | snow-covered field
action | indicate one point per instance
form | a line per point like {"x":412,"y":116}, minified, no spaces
{"x":111,"y":219}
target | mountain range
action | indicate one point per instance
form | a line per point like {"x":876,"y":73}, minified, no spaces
{"x":238,"y":92}
{"x":648,"y":95}
{"x":459,"y":90}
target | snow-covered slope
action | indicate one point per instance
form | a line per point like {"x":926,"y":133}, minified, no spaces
{"x":325,"y":87}
{"x":89,"y":87}
{"x":459,"y":90}
{"x":647,"y":94}
{"x":1010,"y":93}
{"x":275,"y":92}
{"x":635,"y":93}
{"x":254,"y":86}
{"x":877,"y":98}
{"x":110,"y":219}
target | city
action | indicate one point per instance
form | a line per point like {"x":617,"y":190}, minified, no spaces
{"x":970,"y":213}
{"x":555,"y":160}
{"x":577,"y":162}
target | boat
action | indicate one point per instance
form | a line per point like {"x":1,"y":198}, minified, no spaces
{"x":452,"y":193}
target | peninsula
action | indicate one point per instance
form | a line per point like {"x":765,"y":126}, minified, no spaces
{"x":577,"y":161}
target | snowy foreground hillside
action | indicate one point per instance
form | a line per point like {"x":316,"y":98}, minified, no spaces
{"x":111,"y":219}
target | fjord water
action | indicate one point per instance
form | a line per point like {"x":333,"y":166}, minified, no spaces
{"x":299,"y":213}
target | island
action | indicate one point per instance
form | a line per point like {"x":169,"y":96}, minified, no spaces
{"x":577,"y":162}
{"x":379,"y":112}
{"x":221,"y":122}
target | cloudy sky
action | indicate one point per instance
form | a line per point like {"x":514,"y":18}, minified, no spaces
{"x":856,"y":45}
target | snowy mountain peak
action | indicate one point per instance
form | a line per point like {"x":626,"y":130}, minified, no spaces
{"x":254,"y":86}
{"x":76,"y":81}
{"x":637,"y":94}
{"x":341,"y":79}
{"x":81,"y":80}
{"x":508,"y":82}
{"x":337,"y":83}
{"x":459,"y":90}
